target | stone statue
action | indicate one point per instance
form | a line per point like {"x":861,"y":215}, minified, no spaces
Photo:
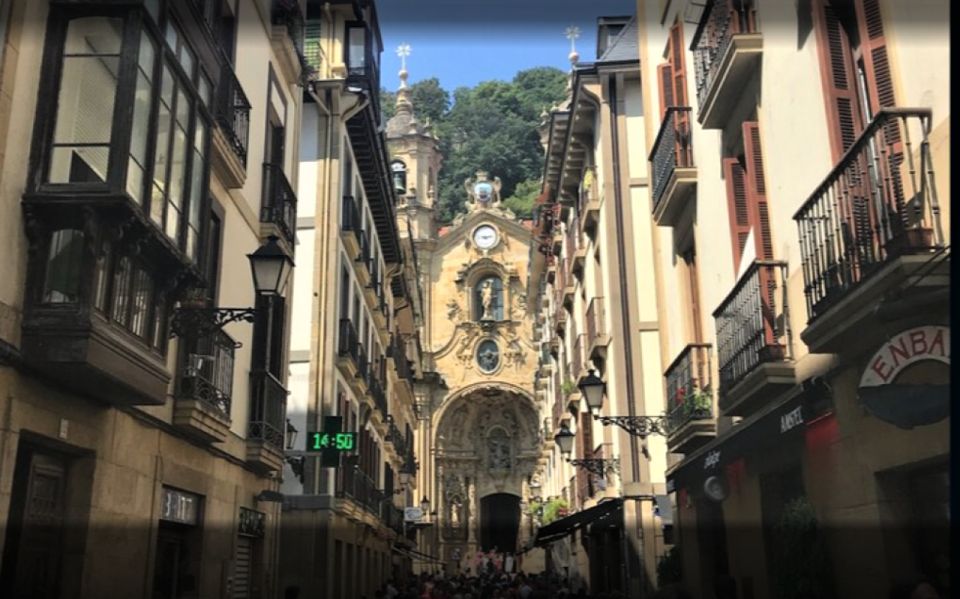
{"x":499,"y":452}
{"x":453,"y":310}
{"x":488,"y":358}
{"x":486,"y":296}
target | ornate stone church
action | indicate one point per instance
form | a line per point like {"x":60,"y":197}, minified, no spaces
{"x":481,"y":434}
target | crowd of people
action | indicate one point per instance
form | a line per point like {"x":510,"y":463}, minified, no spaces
{"x":489,"y":585}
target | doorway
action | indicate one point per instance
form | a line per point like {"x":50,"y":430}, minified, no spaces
{"x":499,"y":522}
{"x":33,"y":549}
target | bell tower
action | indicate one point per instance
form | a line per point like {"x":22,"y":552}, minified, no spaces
{"x":414,"y":162}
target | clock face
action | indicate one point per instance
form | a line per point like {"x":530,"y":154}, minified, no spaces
{"x":485,"y":237}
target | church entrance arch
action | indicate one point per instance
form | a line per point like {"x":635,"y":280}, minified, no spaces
{"x":487,"y":446}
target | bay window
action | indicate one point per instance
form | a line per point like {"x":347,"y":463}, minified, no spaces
{"x":132,"y":117}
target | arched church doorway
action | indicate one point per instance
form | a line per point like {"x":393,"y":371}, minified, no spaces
{"x":499,"y":522}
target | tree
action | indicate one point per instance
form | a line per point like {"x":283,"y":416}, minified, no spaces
{"x":523,"y":198}
{"x":430,"y":101}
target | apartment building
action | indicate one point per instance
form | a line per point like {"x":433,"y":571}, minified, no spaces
{"x":798,"y":154}
{"x":355,"y":350}
{"x":599,"y":325}
{"x":148,"y":149}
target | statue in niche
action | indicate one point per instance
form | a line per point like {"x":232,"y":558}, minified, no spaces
{"x":486,"y":296}
{"x":498,"y":446}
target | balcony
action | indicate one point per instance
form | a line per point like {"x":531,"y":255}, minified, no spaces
{"x":376,"y":392}
{"x":354,"y":484}
{"x":279,"y":207}
{"x":754,"y":340}
{"x":551,"y":262}
{"x":287,"y":36}
{"x":401,"y":362}
{"x":569,"y":286}
{"x":726,"y":52}
{"x":690,"y":418}
{"x":363,"y":260}
{"x":578,"y":359}
{"x":560,"y":321}
{"x":232,"y":135}
{"x":351,"y":229}
{"x":674,"y":175}
{"x":872,"y":231}
{"x":597,"y":337}
{"x":348,"y":348}
{"x":590,"y":205}
{"x":362,"y":379}
{"x":203,"y":390}
{"x":363,"y":68}
{"x":556,"y":244}
{"x":268,"y":407}
{"x":576,"y":249}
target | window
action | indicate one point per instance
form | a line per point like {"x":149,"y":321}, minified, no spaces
{"x":488,"y":299}
{"x":127,"y":116}
{"x":61,"y":282}
{"x":356,"y":48}
{"x":88,"y":90}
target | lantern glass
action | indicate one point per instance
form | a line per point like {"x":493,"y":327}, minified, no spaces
{"x":592,"y":388}
{"x":564,"y":440}
{"x":271,"y":268}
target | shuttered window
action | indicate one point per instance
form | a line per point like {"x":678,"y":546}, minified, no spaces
{"x":848,"y":110}
{"x":737,"y":208}
{"x":747,"y":198}
{"x":672,"y":74}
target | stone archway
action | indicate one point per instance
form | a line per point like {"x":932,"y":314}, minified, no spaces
{"x":487,"y":444}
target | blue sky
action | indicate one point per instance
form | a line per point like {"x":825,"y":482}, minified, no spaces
{"x":463,"y":42}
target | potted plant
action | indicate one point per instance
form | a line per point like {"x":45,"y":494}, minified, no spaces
{"x":568,"y":387}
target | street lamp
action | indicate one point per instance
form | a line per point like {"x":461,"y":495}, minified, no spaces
{"x":564,"y":440}
{"x":592,"y":387}
{"x":270,"y":267}
{"x":425,"y":505}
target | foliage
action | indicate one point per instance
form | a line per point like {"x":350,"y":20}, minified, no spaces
{"x":554,"y":509}
{"x":491,"y":126}
{"x":670,"y":567}
{"x":800,"y":562}
{"x":523,"y":198}
{"x":568,"y":387}
{"x":699,"y":401}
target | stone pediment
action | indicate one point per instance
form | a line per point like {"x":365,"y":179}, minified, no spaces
{"x":463,"y":227}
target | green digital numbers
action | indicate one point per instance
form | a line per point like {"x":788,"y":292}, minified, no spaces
{"x":339,"y":442}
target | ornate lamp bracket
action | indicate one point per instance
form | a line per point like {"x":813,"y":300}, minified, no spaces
{"x":638,"y":426}
{"x":597,"y":466}
{"x":200,"y":321}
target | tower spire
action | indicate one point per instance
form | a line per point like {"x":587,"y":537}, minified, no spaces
{"x":572,"y":33}
{"x":404,"y":103}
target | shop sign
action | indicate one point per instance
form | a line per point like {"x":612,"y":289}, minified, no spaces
{"x":412,"y":514}
{"x":712,"y":459}
{"x":907,"y":404}
{"x":252,"y":522}
{"x":906,"y":348}
{"x":179,"y":506}
{"x":791,"y":419}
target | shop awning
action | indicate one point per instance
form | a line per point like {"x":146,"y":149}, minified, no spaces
{"x":564,"y":526}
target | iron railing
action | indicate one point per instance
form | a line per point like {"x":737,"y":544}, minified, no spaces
{"x":233,"y":112}
{"x":753,"y":322}
{"x":398,"y":351}
{"x":672,"y":149}
{"x":348,"y":345}
{"x":721,"y":20}
{"x":577,"y":359}
{"x":268,"y":408}
{"x":279,"y":201}
{"x":356,"y":485}
{"x":689,"y":376}
{"x":363,"y":364}
{"x":879,"y":202}
{"x":206,"y":370}
{"x":595,"y":320}
{"x":350,"y":217}
{"x":363,"y":258}
{"x":375,"y":389}
{"x":287,"y":14}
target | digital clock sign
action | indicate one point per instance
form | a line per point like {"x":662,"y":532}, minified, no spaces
{"x":340,"y":442}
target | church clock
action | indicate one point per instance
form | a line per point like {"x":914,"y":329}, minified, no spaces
{"x":485,"y":237}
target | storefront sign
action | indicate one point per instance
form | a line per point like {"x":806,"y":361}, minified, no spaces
{"x":412,"y":514}
{"x":712,"y":459}
{"x":920,"y":399}
{"x":906,"y":348}
{"x":791,"y":419}
{"x":179,"y":506}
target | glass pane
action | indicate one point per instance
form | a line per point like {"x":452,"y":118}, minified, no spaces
{"x":101,"y":275}
{"x":173,"y":221}
{"x":61,"y":283}
{"x":196,"y":190}
{"x":356,"y":56}
{"x":172,"y":35}
{"x":206,"y":90}
{"x":157,"y":202}
{"x":142,"y":296}
{"x":177,"y":167}
{"x":94,"y":35}
{"x":84,"y":121}
{"x":187,"y":60}
{"x":135,"y":180}
{"x":121,"y":291}
{"x":166,"y":92}
{"x":153,"y":7}
{"x":139,"y":138}
{"x":148,"y":55}
{"x":162,"y":149}
{"x":160,"y":325}
{"x":183,"y":110}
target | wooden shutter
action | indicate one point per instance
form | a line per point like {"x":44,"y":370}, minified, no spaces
{"x":243,"y":560}
{"x":760,"y":223}
{"x":838,"y":77}
{"x":757,"y":191}
{"x":678,"y":64}
{"x":737,"y":207}
{"x":665,"y":81}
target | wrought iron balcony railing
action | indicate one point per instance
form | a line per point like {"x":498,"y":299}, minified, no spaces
{"x":206,"y":370}
{"x":348,"y":344}
{"x":287,"y":14}
{"x":363,"y":258}
{"x":753,"y":322}
{"x":879,"y":202}
{"x":279,"y":201}
{"x":233,"y":112}
{"x":375,"y":389}
{"x":398,"y":352}
{"x":672,"y":149}
{"x":363,"y":364}
{"x":268,"y":407}
{"x":721,"y":20}
{"x":595,"y":321}
{"x":689,"y":373}
{"x":355,"y":484}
